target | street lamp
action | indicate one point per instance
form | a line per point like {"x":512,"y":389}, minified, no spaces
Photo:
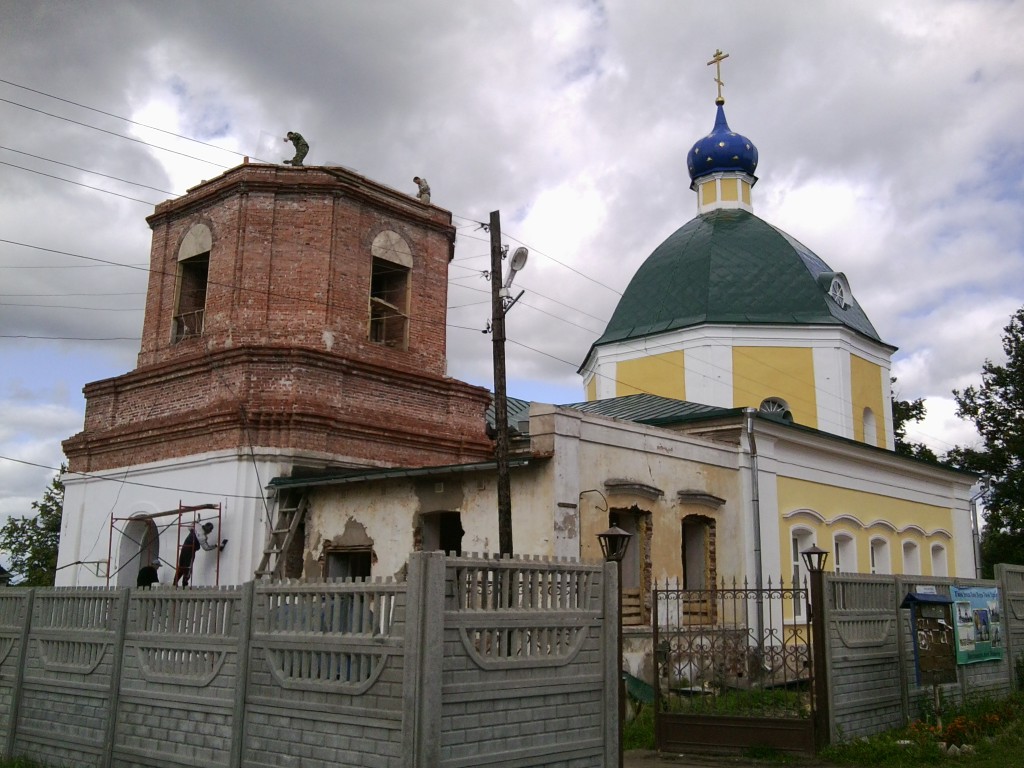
{"x":814,"y":559}
{"x":614,"y":543}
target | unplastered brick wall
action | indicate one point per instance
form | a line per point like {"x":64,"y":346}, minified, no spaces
{"x":284,"y":359}
{"x":290,"y":264}
{"x":288,"y":399}
{"x":472,"y":661}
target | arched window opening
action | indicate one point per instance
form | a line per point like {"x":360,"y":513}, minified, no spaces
{"x":880,"y":556}
{"x":845,"y":553}
{"x":193,"y":276}
{"x":139,"y":548}
{"x":800,"y":539}
{"x":911,"y":559}
{"x":776,"y":406}
{"x":870,"y":428}
{"x":939,"y":565}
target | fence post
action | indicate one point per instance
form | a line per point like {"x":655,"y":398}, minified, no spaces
{"x":903,"y":651}
{"x":612,"y":667}
{"x":117,"y":649}
{"x":1002,"y":575}
{"x":19,"y":676}
{"x":819,"y":629}
{"x":424,"y":657}
{"x":242,"y":674}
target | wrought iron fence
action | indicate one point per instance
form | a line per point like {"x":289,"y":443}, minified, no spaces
{"x":736,"y":649}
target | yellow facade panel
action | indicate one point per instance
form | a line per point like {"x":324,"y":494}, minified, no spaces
{"x":745,"y":192}
{"x":729,"y":192}
{"x":656,"y":375}
{"x":782,"y":372}
{"x":864,"y":516}
{"x":867,"y":390}
{"x":708,"y":193}
{"x":592,"y":388}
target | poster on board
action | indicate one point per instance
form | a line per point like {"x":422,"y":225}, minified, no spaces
{"x":979,"y":624}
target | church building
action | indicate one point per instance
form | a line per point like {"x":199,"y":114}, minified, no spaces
{"x":292,"y":377}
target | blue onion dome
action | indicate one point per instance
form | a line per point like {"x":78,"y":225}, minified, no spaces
{"x":721,"y":150}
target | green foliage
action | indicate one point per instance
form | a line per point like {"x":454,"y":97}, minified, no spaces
{"x":903,"y":413}
{"x":638,"y":733}
{"x":997,"y":410}
{"x":993,"y":726}
{"x":32,"y":542}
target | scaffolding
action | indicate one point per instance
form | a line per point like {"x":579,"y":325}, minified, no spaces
{"x":181,"y":523}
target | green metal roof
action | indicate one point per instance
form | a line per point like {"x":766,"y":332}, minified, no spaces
{"x":348,"y":477}
{"x":728,"y":267}
{"x":650,"y":409}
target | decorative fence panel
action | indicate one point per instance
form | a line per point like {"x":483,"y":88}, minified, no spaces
{"x":522,"y":658}
{"x":70,"y":679}
{"x":326,"y":675}
{"x":471,"y":662}
{"x":871,"y":664}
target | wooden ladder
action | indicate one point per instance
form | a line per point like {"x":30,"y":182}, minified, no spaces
{"x":290,"y":513}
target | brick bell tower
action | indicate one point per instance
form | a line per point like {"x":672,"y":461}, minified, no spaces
{"x":295,"y":318}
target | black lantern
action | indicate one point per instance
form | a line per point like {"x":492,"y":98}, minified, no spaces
{"x":814,"y":559}
{"x":614,"y":543}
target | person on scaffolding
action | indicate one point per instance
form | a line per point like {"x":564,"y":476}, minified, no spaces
{"x":193,"y":542}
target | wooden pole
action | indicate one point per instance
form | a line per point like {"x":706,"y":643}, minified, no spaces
{"x":500,"y":398}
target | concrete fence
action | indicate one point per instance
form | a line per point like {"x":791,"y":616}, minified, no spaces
{"x":469,"y":662}
{"x":871,"y":670}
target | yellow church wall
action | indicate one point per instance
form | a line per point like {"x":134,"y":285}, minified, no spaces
{"x":729,"y":192}
{"x":655,"y":374}
{"x":786,"y":372}
{"x":864,"y":516}
{"x":867,"y":388}
{"x":708,"y":193}
{"x":745,"y":192}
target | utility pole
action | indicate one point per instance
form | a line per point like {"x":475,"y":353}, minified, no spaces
{"x":500,"y":398}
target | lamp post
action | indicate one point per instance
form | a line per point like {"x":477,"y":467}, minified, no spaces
{"x":614,"y":543}
{"x":814,"y":560}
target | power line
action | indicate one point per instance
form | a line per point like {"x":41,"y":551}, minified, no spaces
{"x":114,"y":133}
{"x":95,"y":173}
{"x":127,"y":120}
{"x":77,"y":183}
{"x":94,"y":476}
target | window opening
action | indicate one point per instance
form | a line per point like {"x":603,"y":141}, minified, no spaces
{"x":389,"y":301}
{"x":870,"y":430}
{"x":879,"y":556}
{"x":776,"y":406}
{"x":845,"y":554}
{"x":697,"y":569}
{"x":800,"y":540}
{"x":348,"y":563}
{"x":911,"y":559}
{"x":193,"y":275}
{"x":837,"y":293}
{"x":442,"y":531}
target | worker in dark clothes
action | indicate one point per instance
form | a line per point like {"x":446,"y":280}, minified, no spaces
{"x":193,"y":542}
{"x":148,"y":575}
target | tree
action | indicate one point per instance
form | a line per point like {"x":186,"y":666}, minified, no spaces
{"x":997,"y":410}
{"x":32,"y":542}
{"x":904,"y":412}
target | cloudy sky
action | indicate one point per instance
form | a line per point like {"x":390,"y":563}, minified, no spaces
{"x":889,"y":136}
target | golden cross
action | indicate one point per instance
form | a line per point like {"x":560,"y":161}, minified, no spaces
{"x":717,"y":61}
